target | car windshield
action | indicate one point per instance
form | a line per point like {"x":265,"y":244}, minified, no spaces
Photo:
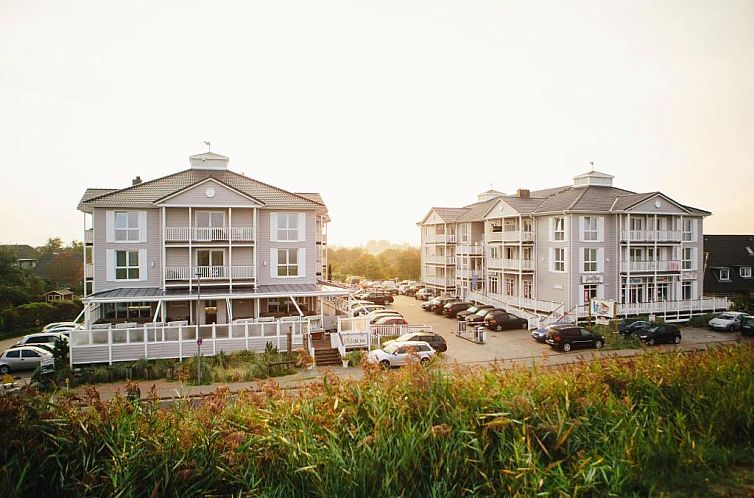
{"x":727,"y":316}
{"x":391,"y":348}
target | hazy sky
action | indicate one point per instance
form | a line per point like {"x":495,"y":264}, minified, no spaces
{"x":386,"y":108}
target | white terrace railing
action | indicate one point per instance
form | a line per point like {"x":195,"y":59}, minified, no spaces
{"x":645,"y":266}
{"x":106,"y":343}
{"x":651,"y":235}
{"x":357,"y":332}
{"x":207,"y":234}
{"x":209,"y":272}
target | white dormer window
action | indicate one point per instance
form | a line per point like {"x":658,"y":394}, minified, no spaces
{"x":724,"y":274}
{"x":126,"y":226}
{"x":745,"y":272}
{"x":287,"y":226}
{"x":559,"y":233}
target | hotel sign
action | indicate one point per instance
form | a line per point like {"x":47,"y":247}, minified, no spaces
{"x":604,"y":308}
{"x":591,"y":279}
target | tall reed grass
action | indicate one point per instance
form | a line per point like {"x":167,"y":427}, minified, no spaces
{"x":653,"y":424}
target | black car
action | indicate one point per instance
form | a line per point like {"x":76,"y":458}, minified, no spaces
{"x":502,"y":320}
{"x":461,"y":315}
{"x":567,"y":337}
{"x":437,"y":302}
{"x":436,"y":341}
{"x":747,"y":326}
{"x":451,"y":310}
{"x":627,"y":327}
{"x":662,"y":333}
{"x":478,"y":318}
{"x":382,"y":298}
{"x":440,"y":310}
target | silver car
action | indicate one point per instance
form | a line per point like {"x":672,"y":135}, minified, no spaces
{"x":42,"y":338}
{"x":22,"y":358}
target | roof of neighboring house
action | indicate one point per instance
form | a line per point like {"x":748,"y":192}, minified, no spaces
{"x":146,"y":193}
{"x":62,"y":292}
{"x":23,"y":251}
{"x":728,"y":251}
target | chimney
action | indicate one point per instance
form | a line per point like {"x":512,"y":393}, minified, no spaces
{"x":523,"y":193}
{"x":136,"y":181}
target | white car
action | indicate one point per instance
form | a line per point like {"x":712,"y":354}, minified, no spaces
{"x":398,"y":353}
{"x":22,"y":358}
{"x":61,"y":326}
{"x":730,"y":321}
{"x":366,"y":309}
{"x":48,"y":338}
{"x":376,"y":315}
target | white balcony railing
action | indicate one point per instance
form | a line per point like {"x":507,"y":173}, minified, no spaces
{"x":518,"y":236}
{"x":209,"y":272}
{"x":493,"y":236}
{"x":695,"y":306}
{"x":441,"y":238}
{"x":440,"y":260}
{"x":479,"y":274}
{"x":208,"y":234}
{"x":440,"y":281}
{"x":88,"y":270}
{"x":89,"y":236}
{"x":650,"y":266}
{"x":470,"y":249}
{"x":651,"y":235}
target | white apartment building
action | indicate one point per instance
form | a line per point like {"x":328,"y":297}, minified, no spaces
{"x":549,"y":252}
{"x":201,"y":253}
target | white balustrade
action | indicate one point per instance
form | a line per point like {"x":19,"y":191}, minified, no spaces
{"x":208,"y":234}
{"x":650,"y":266}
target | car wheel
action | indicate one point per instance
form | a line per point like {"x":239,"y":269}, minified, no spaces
{"x":498,"y":328}
{"x":567,"y":347}
{"x":676,"y":339}
{"x":385,"y":364}
{"x":424,"y":361}
{"x":598,"y":344}
{"x":651,"y":341}
{"x":4,"y":369}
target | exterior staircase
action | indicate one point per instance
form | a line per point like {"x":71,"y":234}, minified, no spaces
{"x":324,"y":354}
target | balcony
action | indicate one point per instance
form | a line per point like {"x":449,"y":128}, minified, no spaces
{"x":88,"y":270}
{"x":440,"y":260}
{"x":511,"y":264}
{"x":89,"y":236}
{"x":210,"y":272}
{"x":651,"y":236}
{"x":210,"y":234}
{"x":440,"y":238}
{"x":518,"y":236}
{"x":650,"y":266}
{"x":478,"y":274}
{"x":440,"y":281}
{"x":470,"y":249}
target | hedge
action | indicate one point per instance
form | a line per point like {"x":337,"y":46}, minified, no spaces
{"x":26,"y":315}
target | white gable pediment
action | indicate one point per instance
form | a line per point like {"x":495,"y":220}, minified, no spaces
{"x":499,"y":210}
{"x":657,"y":204}
{"x":209,"y":193}
{"x":433,"y":219}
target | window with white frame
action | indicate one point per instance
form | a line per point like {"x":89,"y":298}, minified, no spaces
{"x":559,"y":259}
{"x":590,"y":228}
{"x":287,"y":226}
{"x":590,"y":260}
{"x":688,"y":230}
{"x":510,"y":286}
{"x":686,"y":290}
{"x":494,"y":284}
{"x":287,"y":263}
{"x":745,"y":271}
{"x":126,"y":226}
{"x":724,"y":274}
{"x":559,"y":233}
{"x":528,"y":289}
{"x":127,"y":265}
{"x":686,"y":261}
{"x":589,"y":292}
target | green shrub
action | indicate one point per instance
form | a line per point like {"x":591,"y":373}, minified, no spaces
{"x":701,"y":321}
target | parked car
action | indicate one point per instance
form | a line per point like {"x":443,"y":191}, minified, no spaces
{"x":47,"y":347}
{"x":440,"y":307}
{"x":539,"y":334}
{"x":502,"y":320}
{"x":747,"y":326}
{"x":391,"y":320}
{"x":390,"y":287}
{"x":366,"y":309}
{"x":42,"y":338}
{"x":661,"y":333}
{"x":437,"y":303}
{"x":472,"y":311}
{"x":450,"y":310}
{"x":411,"y":290}
{"x":383,"y":298}
{"x":402,"y":289}
{"x":437,"y":341}
{"x":431,"y":303}
{"x":375,"y":315}
{"x":478,"y":317}
{"x":400,"y":353}
{"x":627,"y":327}
{"x":566,"y":337}
{"x":59,"y":326}
{"x":729,"y":321}
{"x":22,"y":358}
{"x":424,"y":294}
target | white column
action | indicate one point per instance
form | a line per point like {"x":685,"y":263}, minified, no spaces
{"x":230,"y":248}
{"x":164,"y":249}
{"x":190,"y":237}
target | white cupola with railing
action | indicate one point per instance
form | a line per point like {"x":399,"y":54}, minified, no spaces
{"x":209,"y":160}
{"x":593,"y":179}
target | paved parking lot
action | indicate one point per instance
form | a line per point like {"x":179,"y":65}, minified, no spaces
{"x":517,"y":346}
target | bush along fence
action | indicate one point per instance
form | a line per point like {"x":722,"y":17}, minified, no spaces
{"x":638,"y":427}
{"x":29,"y":315}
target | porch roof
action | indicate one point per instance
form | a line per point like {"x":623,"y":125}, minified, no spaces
{"x":153,"y":294}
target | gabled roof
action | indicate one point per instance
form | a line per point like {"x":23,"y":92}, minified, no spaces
{"x":315,"y":197}
{"x":206,"y":180}
{"x":728,"y":251}
{"x":62,"y":292}
{"x":476,"y":211}
{"x":22,"y":251}
{"x":145,"y":194}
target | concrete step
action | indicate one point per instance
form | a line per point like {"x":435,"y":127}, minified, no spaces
{"x":327,"y":356}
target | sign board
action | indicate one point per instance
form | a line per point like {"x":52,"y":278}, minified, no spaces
{"x":591,"y":279}
{"x":604,"y":308}
{"x":47,"y":365}
{"x":199,"y":341}
{"x":601,"y":320}
{"x":688,"y":276}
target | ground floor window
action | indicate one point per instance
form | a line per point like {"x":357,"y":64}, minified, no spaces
{"x":589,"y":292}
{"x":686,"y":290}
{"x":129,"y":311}
{"x":494,"y":284}
{"x":528,"y":289}
{"x":510,"y":287}
{"x":281,"y":305}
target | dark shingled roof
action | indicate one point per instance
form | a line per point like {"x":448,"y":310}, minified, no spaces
{"x":22,"y":251}
{"x":146,"y":193}
{"x":728,"y":251}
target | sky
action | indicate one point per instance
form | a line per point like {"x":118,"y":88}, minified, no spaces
{"x":386,"y":108}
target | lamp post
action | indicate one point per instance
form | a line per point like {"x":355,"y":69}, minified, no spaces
{"x":198,"y":275}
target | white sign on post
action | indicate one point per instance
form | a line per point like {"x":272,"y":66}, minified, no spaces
{"x":604,"y":308}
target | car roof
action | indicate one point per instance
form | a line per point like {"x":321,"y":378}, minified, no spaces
{"x":410,"y":343}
